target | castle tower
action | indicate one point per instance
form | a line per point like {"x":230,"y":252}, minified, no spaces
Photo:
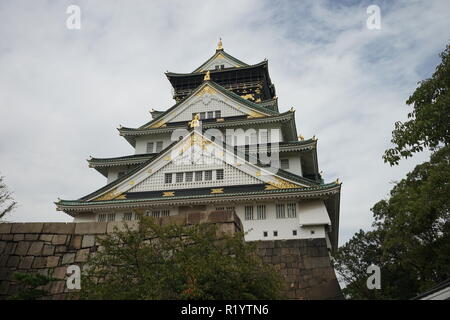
{"x":223,"y":146}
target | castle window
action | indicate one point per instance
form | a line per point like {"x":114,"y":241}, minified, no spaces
{"x":218,"y":113}
{"x":101,"y":217}
{"x":222,"y":66}
{"x":159,"y":146}
{"x":189,"y":176}
{"x":155,"y":213}
{"x":208,"y":175}
{"x":198,"y":175}
{"x":202,"y":115}
{"x":280,"y":211}
{"x":127,"y":216}
{"x":210,"y":114}
{"x":291,"y":210}
{"x":312,"y":232}
{"x":265,"y":233}
{"x":179,"y":177}
{"x":230,"y":208}
{"x":217,"y":67}
{"x":220,"y":208}
{"x":261,"y":212}
{"x":294,"y":232}
{"x":149,"y":147}
{"x":165,"y":213}
{"x":111,"y":216}
{"x":168,"y":178}
{"x":275,"y":233}
{"x":248,"y":212}
{"x":219,"y":174}
{"x":284,"y":163}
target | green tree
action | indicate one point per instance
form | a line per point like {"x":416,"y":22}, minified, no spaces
{"x":7,"y":203}
{"x":410,"y":240}
{"x":429,"y":124}
{"x":177,"y":262}
{"x":30,"y":286}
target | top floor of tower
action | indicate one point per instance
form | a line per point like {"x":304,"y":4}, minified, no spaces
{"x":251,"y":82}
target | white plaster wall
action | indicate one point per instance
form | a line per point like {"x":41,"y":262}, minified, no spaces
{"x":313,"y":212}
{"x":295,"y":165}
{"x":113,"y":173}
{"x":141,"y":142}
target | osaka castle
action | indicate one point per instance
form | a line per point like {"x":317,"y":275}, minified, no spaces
{"x":225,"y":145}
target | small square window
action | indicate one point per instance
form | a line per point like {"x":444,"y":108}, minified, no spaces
{"x":294,"y":232}
{"x":189,"y":176}
{"x":219,"y":174}
{"x":265,"y":234}
{"x":208,"y":175}
{"x":284,"y":163}
{"x":312,"y":232}
{"x":198,"y":175}
{"x":217,"y":67}
{"x":159,"y":146}
{"x":222,"y":66}
{"x":149,"y":147}
{"x":218,"y":113}
{"x":210,"y":114}
{"x":275,"y":233}
{"x":179,"y":177}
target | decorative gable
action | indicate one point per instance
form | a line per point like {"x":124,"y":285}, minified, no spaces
{"x":195,"y":153}
{"x":207,"y":99}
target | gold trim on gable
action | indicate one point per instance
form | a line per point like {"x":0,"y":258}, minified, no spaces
{"x":168,"y":194}
{"x":281,"y":184}
{"x":206,"y":90}
{"x":217,"y":190}
{"x":113,"y":194}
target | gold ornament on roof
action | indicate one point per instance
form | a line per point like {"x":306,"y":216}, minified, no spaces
{"x":219,"y":45}
{"x":301,"y":137}
{"x":195,"y":122}
{"x":207,"y":76}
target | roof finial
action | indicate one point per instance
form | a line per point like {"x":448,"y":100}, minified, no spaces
{"x":219,"y":45}
{"x":207,"y":76}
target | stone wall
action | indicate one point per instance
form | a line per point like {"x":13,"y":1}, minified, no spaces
{"x":49,"y":248}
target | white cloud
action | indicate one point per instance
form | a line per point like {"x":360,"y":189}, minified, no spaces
{"x":64,"y":92}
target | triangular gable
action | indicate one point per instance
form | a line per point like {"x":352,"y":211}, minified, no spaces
{"x":195,"y":143}
{"x":220,"y":58}
{"x":201,"y":99}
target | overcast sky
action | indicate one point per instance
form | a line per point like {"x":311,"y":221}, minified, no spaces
{"x":64,"y":92}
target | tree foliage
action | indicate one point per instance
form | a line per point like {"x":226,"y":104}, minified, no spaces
{"x":410,"y":241}
{"x":177,"y":262}
{"x":30,"y":286}
{"x":429,"y":124}
{"x":7,"y":203}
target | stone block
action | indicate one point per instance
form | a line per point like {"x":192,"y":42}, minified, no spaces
{"x":19,"y":237}
{"x":4,"y":287}
{"x":179,"y":219}
{"x":52,"y":261}
{"x":5,"y":228}
{"x":60,"y":249}
{"x":28,"y":227}
{"x":7,"y":237}
{"x":26,"y":262}
{"x":46,"y":237}
{"x":88,"y":241}
{"x":82,"y":255}
{"x":220,"y":216}
{"x":57,"y":287}
{"x":59,"y":239}
{"x":68,"y":258}
{"x":31,"y":237}
{"x":22,"y":248}
{"x":75,"y":242}
{"x":13,"y":261}
{"x":35,"y":248}
{"x":2,"y":246}
{"x":59,"y":228}
{"x":39,"y":262}
{"x":3,"y":260}
{"x":48,"y":250}
{"x":90,"y":227}
{"x":59,"y":272}
{"x":121,"y":225}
